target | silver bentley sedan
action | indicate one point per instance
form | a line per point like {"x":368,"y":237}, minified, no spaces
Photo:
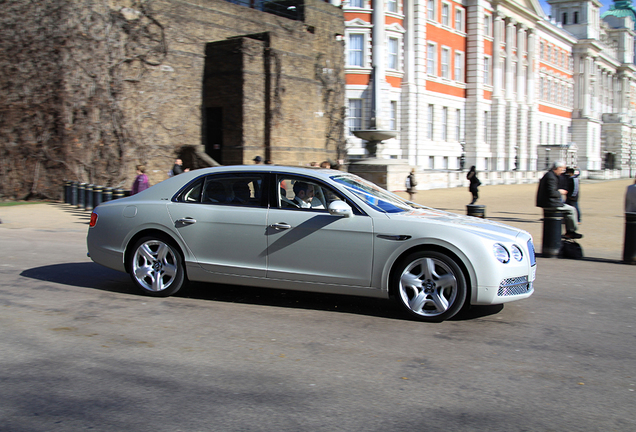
{"x":314,"y":230}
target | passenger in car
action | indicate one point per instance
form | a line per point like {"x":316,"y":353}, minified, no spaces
{"x":241,"y":193}
{"x":215,"y":192}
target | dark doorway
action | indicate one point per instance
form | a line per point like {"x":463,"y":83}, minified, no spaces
{"x":214,"y":128}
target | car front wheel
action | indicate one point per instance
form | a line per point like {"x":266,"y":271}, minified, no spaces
{"x":156,"y":267}
{"x":430,"y":286}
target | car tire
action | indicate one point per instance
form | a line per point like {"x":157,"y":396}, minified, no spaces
{"x":429,"y":285}
{"x":156,"y":267}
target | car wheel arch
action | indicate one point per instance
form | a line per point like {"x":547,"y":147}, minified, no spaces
{"x":151,"y":232}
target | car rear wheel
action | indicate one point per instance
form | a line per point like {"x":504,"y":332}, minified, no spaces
{"x":156,"y":267}
{"x":430,"y":286}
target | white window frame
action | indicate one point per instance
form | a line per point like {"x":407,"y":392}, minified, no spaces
{"x":431,"y":58}
{"x":430,"y":129}
{"x":351,"y":50}
{"x":431,"y":10}
{"x":445,"y":62}
{"x":487,"y":68}
{"x":445,"y":124}
{"x":395,"y":6}
{"x":458,"y":67}
{"x":459,"y":19}
{"x":355,"y":119}
{"x":487,"y":25}
{"x":446,"y":12}
{"x":393,"y":115}
{"x":355,"y":3}
{"x":393,"y":57}
{"x":458,"y":124}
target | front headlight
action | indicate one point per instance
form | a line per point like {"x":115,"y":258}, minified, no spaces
{"x":516,"y":253}
{"x":501,"y":253}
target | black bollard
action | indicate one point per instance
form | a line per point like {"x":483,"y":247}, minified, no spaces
{"x":81,"y":195}
{"x":74,"y":193}
{"x":552,"y":221}
{"x":107,"y":195}
{"x":97,"y":195}
{"x":476,"y":210}
{"x":118,"y":193}
{"x":88,"y":201}
{"x":629,"y":248}
{"x":67,"y":191}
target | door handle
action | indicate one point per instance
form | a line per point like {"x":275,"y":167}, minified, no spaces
{"x":281,"y":226}
{"x":186,"y":221}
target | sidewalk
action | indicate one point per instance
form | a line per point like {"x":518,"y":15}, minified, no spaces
{"x":601,"y":202}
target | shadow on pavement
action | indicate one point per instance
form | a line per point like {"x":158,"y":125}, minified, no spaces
{"x":94,"y":276}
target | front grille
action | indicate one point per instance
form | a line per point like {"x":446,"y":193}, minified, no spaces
{"x":514,"y":286}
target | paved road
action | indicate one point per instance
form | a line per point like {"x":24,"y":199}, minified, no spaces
{"x":80,"y":350}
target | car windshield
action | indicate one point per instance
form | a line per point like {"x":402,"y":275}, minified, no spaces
{"x":374,"y":196}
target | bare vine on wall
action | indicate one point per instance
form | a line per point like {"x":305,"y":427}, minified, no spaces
{"x":65,"y":70}
{"x":333,"y":89}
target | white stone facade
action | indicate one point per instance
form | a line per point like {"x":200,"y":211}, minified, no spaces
{"x":499,"y":83}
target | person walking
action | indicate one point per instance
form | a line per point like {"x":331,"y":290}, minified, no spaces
{"x":572,"y":186}
{"x":474,"y":183}
{"x":141,"y":181}
{"x":411,"y":183}
{"x":549,"y":196}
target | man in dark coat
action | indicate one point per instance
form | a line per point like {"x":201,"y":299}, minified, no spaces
{"x":550,"y":196}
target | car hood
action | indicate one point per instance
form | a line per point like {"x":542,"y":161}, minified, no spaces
{"x":484,"y":226}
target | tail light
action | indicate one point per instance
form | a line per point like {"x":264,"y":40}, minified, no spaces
{"x":93,"y":221}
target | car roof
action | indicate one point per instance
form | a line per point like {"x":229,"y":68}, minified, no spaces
{"x":167,"y":188}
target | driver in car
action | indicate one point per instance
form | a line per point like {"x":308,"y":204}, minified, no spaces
{"x":304,"y":193}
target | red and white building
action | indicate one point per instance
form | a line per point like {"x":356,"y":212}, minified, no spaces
{"x":499,"y":85}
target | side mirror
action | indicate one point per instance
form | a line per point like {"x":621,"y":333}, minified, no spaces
{"x":340,"y":208}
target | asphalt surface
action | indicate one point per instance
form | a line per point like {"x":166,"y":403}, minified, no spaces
{"x":81,"y":350}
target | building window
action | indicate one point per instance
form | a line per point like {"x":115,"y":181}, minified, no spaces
{"x":431,"y":162}
{"x":459,"y":20}
{"x":355,"y":115}
{"x":576,"y":18}
{"x":392,"y":50}
{"x":431,"y":119}
{"x":392,"y":6}
{"x":445,"y":124}
{"x":431,"y":59}
{"x":356,"y":49}
{"x":458,"y":125}
{"x":486,"y":70}
{"x":541,"y":50}
{"x":564,"y":20}
{"x":486,"y":126}
{"x":445,"y":63}
{"x":356,"y":3}
{"x":431,"y":10}
{"x":487,"y":25}
{"x":446,"y":14}
{"x":459,"y":66}
{"x":393,"y":116}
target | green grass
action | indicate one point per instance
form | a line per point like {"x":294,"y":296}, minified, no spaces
{"x":15,"y":203}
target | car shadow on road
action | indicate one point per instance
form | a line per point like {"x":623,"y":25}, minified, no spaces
{"x":93,"y":276}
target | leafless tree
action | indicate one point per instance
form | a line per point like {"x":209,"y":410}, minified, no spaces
{"x":64,"y":71}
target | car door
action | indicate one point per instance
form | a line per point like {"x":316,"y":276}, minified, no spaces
{"x":306,"y":243}
{"x":222,"y":218}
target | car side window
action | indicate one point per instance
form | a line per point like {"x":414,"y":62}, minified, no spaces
{"x":232,"y":189}
{"x":301,"y":193}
